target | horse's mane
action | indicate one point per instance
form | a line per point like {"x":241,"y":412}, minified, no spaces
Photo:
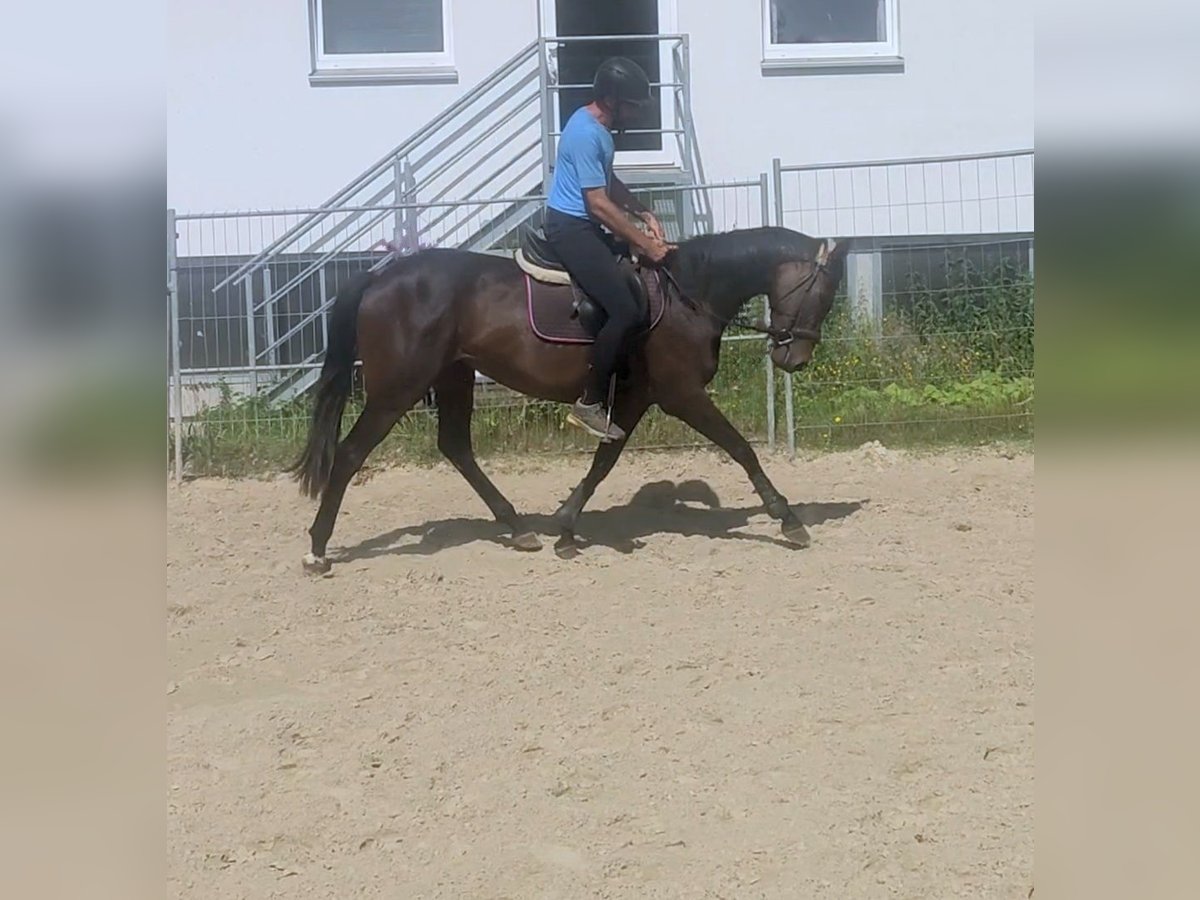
{"x":713,"y":267}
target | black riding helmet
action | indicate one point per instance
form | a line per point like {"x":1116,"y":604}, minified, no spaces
{"x":621,"y":79}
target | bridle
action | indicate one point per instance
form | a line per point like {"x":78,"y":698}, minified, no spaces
{"x":776,"y":336}
{"x":781,"y":337}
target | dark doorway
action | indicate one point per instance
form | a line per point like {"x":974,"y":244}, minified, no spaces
{"x":577,"y":63}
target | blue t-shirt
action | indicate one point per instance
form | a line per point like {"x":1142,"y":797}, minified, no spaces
{"x":585,"y":159}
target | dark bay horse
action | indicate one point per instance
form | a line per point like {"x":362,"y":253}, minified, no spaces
{"x":430,"y":320}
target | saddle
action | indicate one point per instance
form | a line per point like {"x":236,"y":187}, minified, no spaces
{"x":559,"y":310}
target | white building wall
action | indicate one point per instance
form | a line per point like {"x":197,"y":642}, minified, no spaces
{"x":966,"y":87}
{"x":246,"y":129}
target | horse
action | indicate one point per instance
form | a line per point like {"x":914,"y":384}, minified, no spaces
{"x":430,"y":320}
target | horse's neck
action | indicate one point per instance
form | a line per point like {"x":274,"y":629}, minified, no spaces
{"x":726,"y":292}
{"x":726,"y":304}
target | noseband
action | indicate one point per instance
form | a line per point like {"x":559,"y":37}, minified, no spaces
{"x":781,"y":337}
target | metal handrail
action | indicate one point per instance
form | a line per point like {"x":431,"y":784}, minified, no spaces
{"x":700,"y":188}
{"x":418,"y":205}
{"x":430,"y":156}
{"x":496,"y":174}
{"x":320,"y":310}
{"x":374,"y":220}
{"x":373,"y":203}
{"x":325,"y":258}
{"x":909,"y":161}
{"x":460,"y":179}
{"x":580,"y":87}
{"x":506,"y":69}
{"x":595,"y":38}
{"x":350,"y":220}
{"x":634,"y":131}
{"x":476,"y":119}
{"x":458,"y":156}
{"x":276,"y":293}
{"x":346,"y":223}
{"x":380,"y":167}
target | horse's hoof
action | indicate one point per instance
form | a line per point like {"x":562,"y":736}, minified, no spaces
{"x":797,"y":534}
{"x":316,"y":565}
{"x":566,"y":548}
{"x":527,"y":542}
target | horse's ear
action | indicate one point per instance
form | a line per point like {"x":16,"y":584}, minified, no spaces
{"x":832,"y":250}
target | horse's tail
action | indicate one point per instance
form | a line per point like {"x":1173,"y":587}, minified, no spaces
{"x":315,"y":464}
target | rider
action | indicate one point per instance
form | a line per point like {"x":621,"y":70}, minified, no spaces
{"x":585,"y":194}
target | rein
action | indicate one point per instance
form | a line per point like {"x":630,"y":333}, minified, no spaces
{"x":778,"y":337}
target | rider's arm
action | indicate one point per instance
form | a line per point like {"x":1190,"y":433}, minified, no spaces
{"x":602,"y":206}
{"x":624,"y":198}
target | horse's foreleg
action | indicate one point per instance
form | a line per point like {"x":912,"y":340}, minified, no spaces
{"x":697,"y":410}
{"x":628,"y":412}
{"x":455,"y":392}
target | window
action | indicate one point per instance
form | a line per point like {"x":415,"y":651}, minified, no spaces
{"x":830,"y":32}
{"x":380,"y":40}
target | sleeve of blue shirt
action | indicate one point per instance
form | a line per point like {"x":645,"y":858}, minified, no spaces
{"x":589,"y":163}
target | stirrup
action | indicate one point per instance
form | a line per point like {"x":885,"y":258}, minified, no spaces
{"x":612,"y":393}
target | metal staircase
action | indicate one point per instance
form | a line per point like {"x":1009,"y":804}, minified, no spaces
{"x":470,"y":179}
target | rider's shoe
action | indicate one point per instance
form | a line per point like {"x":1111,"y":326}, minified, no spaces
{"x":593,"y":418}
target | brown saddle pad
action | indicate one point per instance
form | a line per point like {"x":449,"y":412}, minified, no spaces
{"x":552,"y":309}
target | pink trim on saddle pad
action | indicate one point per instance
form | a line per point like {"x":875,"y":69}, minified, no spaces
{"x":656,"y":314}
{"x":533,"y":320}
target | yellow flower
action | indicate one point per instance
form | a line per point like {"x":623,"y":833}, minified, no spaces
{"x":837,"y":419}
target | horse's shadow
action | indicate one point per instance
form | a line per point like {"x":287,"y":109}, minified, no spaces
{"x":689,"y":509}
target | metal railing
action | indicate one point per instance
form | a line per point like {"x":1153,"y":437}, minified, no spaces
{"x":982,"y":193}
{"x":914,"y":201}
{"x":491,"y":150}
{"x":937,"y":292}
{"x":216,"y":340}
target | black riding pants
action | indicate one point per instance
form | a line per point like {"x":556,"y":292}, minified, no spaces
{"x":590,"y":256}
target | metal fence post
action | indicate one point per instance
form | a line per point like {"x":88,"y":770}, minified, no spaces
{"x":789,"y":414}
{"x":407,"y":216}
{"x":324,"y":318}
{"x":176,"y":365}
{"x":269,"y":316}
{"x":251,"y":334}
{"x":864,"y":285}
{"x":398,"y":195}
{"x":684,"y":77}
{"x":764,"y":196}
{"x":546,"y":108}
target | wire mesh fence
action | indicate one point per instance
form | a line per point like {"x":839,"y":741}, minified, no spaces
{"x":930,"y":340}
{"x":979,"y":194}
{"x":934,"y":336}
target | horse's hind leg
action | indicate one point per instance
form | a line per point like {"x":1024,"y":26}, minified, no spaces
{"x":372,"y":427}
{"x":455,"y":391}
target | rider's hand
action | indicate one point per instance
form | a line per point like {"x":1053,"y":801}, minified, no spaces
{"x":654,"y":225}
{"x":653,"y":248}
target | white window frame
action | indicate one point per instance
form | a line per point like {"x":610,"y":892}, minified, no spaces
{"x":848,"y":53}
{"x":385,"y":68}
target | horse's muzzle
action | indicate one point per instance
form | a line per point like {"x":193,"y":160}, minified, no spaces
{"x":794,"y":356}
